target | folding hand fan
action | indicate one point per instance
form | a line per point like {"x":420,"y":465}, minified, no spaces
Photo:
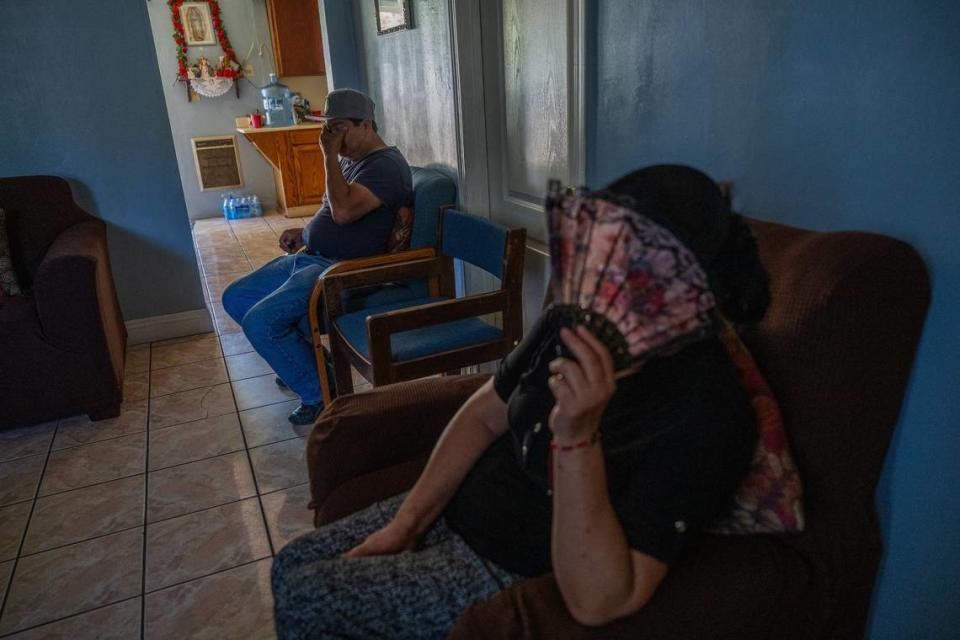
{"x":624,"y":276}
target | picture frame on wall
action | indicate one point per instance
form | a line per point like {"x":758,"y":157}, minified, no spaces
{"x":393,"y":15}
{"x":197,"y":24}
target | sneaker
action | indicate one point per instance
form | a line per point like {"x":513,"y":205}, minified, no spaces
{"x":280,"y":383}
{"x":305,"y":413}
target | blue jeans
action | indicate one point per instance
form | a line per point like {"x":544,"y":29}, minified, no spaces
{"x":268,"y":304}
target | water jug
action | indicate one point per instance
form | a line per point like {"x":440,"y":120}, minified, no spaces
{"x":277,"y":103}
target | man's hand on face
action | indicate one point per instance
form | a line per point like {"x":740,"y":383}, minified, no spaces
{"x":291,"y":240}
{"x":331,"y":139}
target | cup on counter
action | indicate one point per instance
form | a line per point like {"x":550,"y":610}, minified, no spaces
{"x":256,"y":120}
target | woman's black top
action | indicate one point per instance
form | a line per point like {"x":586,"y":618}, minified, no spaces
{"x":677,"y":439}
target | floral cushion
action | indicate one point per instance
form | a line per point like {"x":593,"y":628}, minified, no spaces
{"x":402,"y":230}
{"x":769,"y":499}
{"x":8,"y":278}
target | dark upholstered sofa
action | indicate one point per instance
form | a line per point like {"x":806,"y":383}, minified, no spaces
{"x":61,"y":343}
{"x":836,"y":346}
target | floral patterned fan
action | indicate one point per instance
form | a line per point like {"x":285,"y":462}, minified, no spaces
{"x":626,"y":277}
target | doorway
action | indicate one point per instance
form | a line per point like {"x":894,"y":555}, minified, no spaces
{"x":518,"y":71}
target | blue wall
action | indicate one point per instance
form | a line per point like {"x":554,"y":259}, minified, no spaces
{"x":826,"y":114}
{"x":82,"y":99}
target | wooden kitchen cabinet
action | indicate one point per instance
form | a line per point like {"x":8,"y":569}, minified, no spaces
{"x":297,"y":161}
{"x":308,"y":165}
{"x":297,"y":42}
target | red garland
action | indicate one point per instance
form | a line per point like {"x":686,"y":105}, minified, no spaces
{"x":181,"y":39}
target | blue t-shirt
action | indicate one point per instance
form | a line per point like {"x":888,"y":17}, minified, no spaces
{"x":386,"y":173}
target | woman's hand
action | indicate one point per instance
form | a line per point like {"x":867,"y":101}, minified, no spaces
{"x":582,"y":387}
{"x":393,"y":538}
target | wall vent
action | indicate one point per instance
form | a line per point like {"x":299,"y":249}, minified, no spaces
{"x":218,"y":164}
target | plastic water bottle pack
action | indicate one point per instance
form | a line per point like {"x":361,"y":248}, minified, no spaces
{"x":239,"y":207}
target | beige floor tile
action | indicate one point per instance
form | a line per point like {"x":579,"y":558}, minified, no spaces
{"x":119,"y":621}
{"x":204,"y":542}
{"x":188,"y":406}
{"x":235,"y":343}
{"x":195,"y":440}
{"x":213,"y":241}
{"x":26,"y":441}
{"x":259,"y":391}
{"x":216,"y":240}
{"x":265,"y":425}
{"x":225,"y":324}
{"x":280,"y":465}
{"x":225,"y":264}
{"x":94,"y":463}
{"x":86,"y":513}
{"x":13,"y":521}
{"x":247,"y":365}
{"x":136,"y":386}
{"x":232,"y":604}
{"x":199,"y":485}
{"x":247,"y":224}
{"x":216,"y":283}
{"x":196,"y":348}
{"x":263,"y":250}
{"x":19,"y":478}
{"x":213,"y":222}
{"x":258,"y":238}
{"x":137,"y":359}
{"x":287,"y":514}
{"x":81,"y":430}
{"x":5,"y":569}
{"x":219,"y":252}
{"x":69,"y":580}
{"x":183,"y":377}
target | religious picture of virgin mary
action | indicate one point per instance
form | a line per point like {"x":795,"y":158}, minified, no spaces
{"x":197,"y":23}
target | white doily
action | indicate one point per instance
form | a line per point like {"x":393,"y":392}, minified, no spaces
{"x":211,"y":87}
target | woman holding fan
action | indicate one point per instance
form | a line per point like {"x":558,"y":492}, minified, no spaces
{"x":612,"y":434}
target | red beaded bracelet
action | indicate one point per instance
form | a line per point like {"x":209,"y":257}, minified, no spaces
{"x":583,"y":444}
{"x":592,"y":440}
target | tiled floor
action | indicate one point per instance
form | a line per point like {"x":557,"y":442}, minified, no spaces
{"x":160,"y":523}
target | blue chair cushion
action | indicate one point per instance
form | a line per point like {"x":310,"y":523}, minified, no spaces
{"x":417,"y":343}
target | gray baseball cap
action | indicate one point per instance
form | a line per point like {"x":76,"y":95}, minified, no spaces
{"x":348,"y":103}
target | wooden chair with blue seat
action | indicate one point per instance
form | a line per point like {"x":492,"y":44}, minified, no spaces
{"x":432,"y":191}
{"x":436,"y":332}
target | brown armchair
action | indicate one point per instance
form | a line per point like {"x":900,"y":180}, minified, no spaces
{"x":63,"y":341}
{"x":836,"y":346}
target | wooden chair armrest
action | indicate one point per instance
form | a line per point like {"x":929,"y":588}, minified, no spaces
{"x":355,"y":264}
{"x":426,"y":315}
{"x":335,"y":284}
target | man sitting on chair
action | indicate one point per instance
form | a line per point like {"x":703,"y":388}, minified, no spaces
{"x":367,"y":183}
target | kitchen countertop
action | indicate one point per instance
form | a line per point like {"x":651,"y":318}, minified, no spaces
{"x":265,"y":129}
